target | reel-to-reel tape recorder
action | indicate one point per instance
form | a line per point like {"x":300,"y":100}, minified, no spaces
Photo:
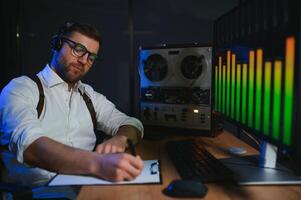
{"x":175,"y":86}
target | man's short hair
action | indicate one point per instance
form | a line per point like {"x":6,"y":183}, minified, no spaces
{"x":86,"y":29}
{"x":68,"y":29}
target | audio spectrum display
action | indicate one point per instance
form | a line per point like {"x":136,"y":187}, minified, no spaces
{"x":256,"y":87}
{"x":250,"y":92}
{"x":175,"y":86}
{"x":256,"y":69}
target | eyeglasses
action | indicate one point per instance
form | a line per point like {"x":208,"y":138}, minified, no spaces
{"x":79,"y":50}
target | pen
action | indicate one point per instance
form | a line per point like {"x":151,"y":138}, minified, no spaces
{"x":131,"y":147}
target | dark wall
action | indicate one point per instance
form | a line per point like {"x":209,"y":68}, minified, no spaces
{"x":155,"y":22}
{"x":10,"y":64}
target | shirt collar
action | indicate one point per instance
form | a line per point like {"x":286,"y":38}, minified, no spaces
{"x":52,"y":79}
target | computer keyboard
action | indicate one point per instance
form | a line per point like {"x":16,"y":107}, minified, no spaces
{"x":194,"y":162}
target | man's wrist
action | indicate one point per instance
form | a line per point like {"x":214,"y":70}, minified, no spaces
{"x":94,"y":164}
{"x":123,"y":138}
{"x":130,"y":132}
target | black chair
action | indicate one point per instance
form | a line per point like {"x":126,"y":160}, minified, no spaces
{"x":18,"y":192}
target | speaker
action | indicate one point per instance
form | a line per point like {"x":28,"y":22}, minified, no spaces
{"x":56,"y":40}
{"x":175,"y":82}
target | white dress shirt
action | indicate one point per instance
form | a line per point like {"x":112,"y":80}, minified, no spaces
{"x":65,"y":118}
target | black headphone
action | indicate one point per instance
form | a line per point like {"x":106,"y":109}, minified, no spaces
{"x":56,"y":42}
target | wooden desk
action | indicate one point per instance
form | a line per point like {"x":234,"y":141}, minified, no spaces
{"x":156,"y":150}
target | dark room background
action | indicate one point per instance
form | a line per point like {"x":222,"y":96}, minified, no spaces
{"x":27,"y":26}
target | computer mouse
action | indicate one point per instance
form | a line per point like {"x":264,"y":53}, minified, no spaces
{"x":186,"y":188}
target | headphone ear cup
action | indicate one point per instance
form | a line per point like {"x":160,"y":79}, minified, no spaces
{"x":56,"y":43}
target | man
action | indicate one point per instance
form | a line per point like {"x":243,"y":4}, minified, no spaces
{"x":62,"y":138}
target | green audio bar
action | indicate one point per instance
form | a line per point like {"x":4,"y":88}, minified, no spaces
{"x":251,"y":88}
{"x":220,"y":84}
{"x":216,"y":89}
{"x":244,"y":93}
{"x":288,"y":90}
{"x":224,"y":90}
{"x":238,"y":88}
{"x":267,"y":97}
{"x":258,"y":94}
{"x":277,"y":99}
{"x":233,"y":63}
{"x":228,"y":83}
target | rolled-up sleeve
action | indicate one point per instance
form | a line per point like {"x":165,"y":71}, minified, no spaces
{"x":109,"y":118}
{"x":20,"y":125}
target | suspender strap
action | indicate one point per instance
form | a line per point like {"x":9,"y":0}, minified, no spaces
{"x":89,"y":104}
{"x":90,"y":108}
{"x":100,"y":136}
{"x":40,"y":105}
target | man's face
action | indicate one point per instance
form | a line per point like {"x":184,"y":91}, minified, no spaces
{"x":71,"y":65}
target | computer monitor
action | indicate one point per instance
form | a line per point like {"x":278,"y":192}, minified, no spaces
{"x":257,"y":84}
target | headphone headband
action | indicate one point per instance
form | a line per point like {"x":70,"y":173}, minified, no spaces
{"x":56,"y":40}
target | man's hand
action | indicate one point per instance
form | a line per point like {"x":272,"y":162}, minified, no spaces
{"x":115,"y":144}
{"x":68,"y":160}
{"x":118,"y":166}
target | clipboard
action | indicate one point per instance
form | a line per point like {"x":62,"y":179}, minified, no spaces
{"x":151,"y":174}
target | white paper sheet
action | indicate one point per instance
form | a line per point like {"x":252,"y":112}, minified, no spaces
{"x":150,"y":174}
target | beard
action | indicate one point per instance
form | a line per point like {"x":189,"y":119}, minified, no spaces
{"x":70,"y":72}
{"x":73,"y":73}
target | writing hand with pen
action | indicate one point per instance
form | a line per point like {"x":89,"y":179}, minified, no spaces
{"x":112,"y":163}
